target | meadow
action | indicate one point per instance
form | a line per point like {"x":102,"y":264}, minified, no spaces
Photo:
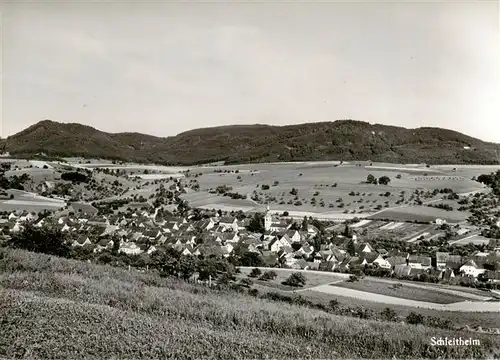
{"x":404,"y":291}
{"x":54,"y":308}
{"x":329,"y":188}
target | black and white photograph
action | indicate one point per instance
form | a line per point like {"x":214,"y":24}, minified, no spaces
{"x":249,"y":179}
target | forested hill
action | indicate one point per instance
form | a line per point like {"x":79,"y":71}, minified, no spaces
{"x":339,"y":140}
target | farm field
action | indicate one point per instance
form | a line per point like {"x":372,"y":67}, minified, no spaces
{"x":23,"y":200}
{"x":72,"y":309}
{"x":474,"y":239}
{"x":404,"y":291}
{"x":421,"y":214}
{"x":336,"y":189}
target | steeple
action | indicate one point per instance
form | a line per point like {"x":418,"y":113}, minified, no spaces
{"x":268,"y":220}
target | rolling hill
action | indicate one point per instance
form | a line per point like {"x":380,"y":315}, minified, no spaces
{"x":346,"y":140}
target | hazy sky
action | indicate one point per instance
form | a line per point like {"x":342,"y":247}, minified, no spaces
{"x":163,"y":68}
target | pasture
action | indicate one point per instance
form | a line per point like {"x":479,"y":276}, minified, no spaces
{"x":327,"y":187}
{"x":421,"y":214}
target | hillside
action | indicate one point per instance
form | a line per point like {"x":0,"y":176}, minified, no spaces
{"x":60,"y":309}
{"x":340,"y":140}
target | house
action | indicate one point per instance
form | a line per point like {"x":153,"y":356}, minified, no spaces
{"x":470,"y":268}
{"x":104,"y":244}
{"x":293,"y":235}
{"x":492,"y":276}
{"x":365,"y":248}
{"x":403,"y":270}
{"x":312,"y":230}
{"x":327,"y":266}
{"x":275,"y":245}
{"x":419,"y":262}
{"x":396,"y":260}
{"x":228,"y":222}
{"x":444,"y":260}
{"x":130,"y":248}
{"x":81,"y":241}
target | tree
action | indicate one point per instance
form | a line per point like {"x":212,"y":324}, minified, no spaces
{"x":384,"y":180}
{"x":370,"y":179}
{"x":250,"y":258}
{"x":47,"y":239}
{"x":294,"y":191}
{"x":304,"y":224}
{"x":296,"y":280}
{"x":256,"y":223}
{"x":187,"y":267}
{"x":269,"y":275}
{"x":255,"y":272}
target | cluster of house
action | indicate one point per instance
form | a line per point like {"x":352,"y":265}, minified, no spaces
{"x":279,"y":245}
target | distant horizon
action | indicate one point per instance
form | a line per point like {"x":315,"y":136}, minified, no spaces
{"x":165,"y":67}
{"x":241,"y":125}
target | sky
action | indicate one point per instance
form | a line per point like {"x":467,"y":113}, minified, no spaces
{"x":163,"y":68}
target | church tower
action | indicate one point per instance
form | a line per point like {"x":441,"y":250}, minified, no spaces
{"x":268,"y":220}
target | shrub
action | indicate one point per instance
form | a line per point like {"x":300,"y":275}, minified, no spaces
{"x":414,"y":318}
{"x":388,"y":314}
{"x":269,"y":275}
{"x":296,"y":280}
{"x":255,"y":272}
{"x":246,"y":282}
{"x":253,"y":292}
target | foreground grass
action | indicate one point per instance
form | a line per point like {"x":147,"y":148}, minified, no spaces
{"x":58,"y":308}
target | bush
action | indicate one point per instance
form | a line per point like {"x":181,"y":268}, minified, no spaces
{"x":255,"y":272}
{"x":269,"y":275}
{"x":388,"y":314}
{"x":246,"y":282}
{"x":414,"y":318}
{"x":253,"y":292}
{"x":296,"y":280}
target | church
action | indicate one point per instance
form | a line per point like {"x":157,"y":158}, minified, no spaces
{"x":270,"y":225}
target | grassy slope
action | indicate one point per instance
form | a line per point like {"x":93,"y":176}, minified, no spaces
{"x":56,"y":308}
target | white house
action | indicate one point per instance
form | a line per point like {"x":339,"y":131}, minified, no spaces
{"x":470,"y":268}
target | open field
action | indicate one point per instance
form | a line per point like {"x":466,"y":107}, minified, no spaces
{"x":421,"y":213}
{"x":28,"y":201}
{"x":405,"y":291}
{"x":474,"y":239}
{"x":69,"y":309}
{"x":317,"y":180}
{"x":324,"y":189}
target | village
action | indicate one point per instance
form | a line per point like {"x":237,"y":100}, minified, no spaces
{"x":278,"y":241}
